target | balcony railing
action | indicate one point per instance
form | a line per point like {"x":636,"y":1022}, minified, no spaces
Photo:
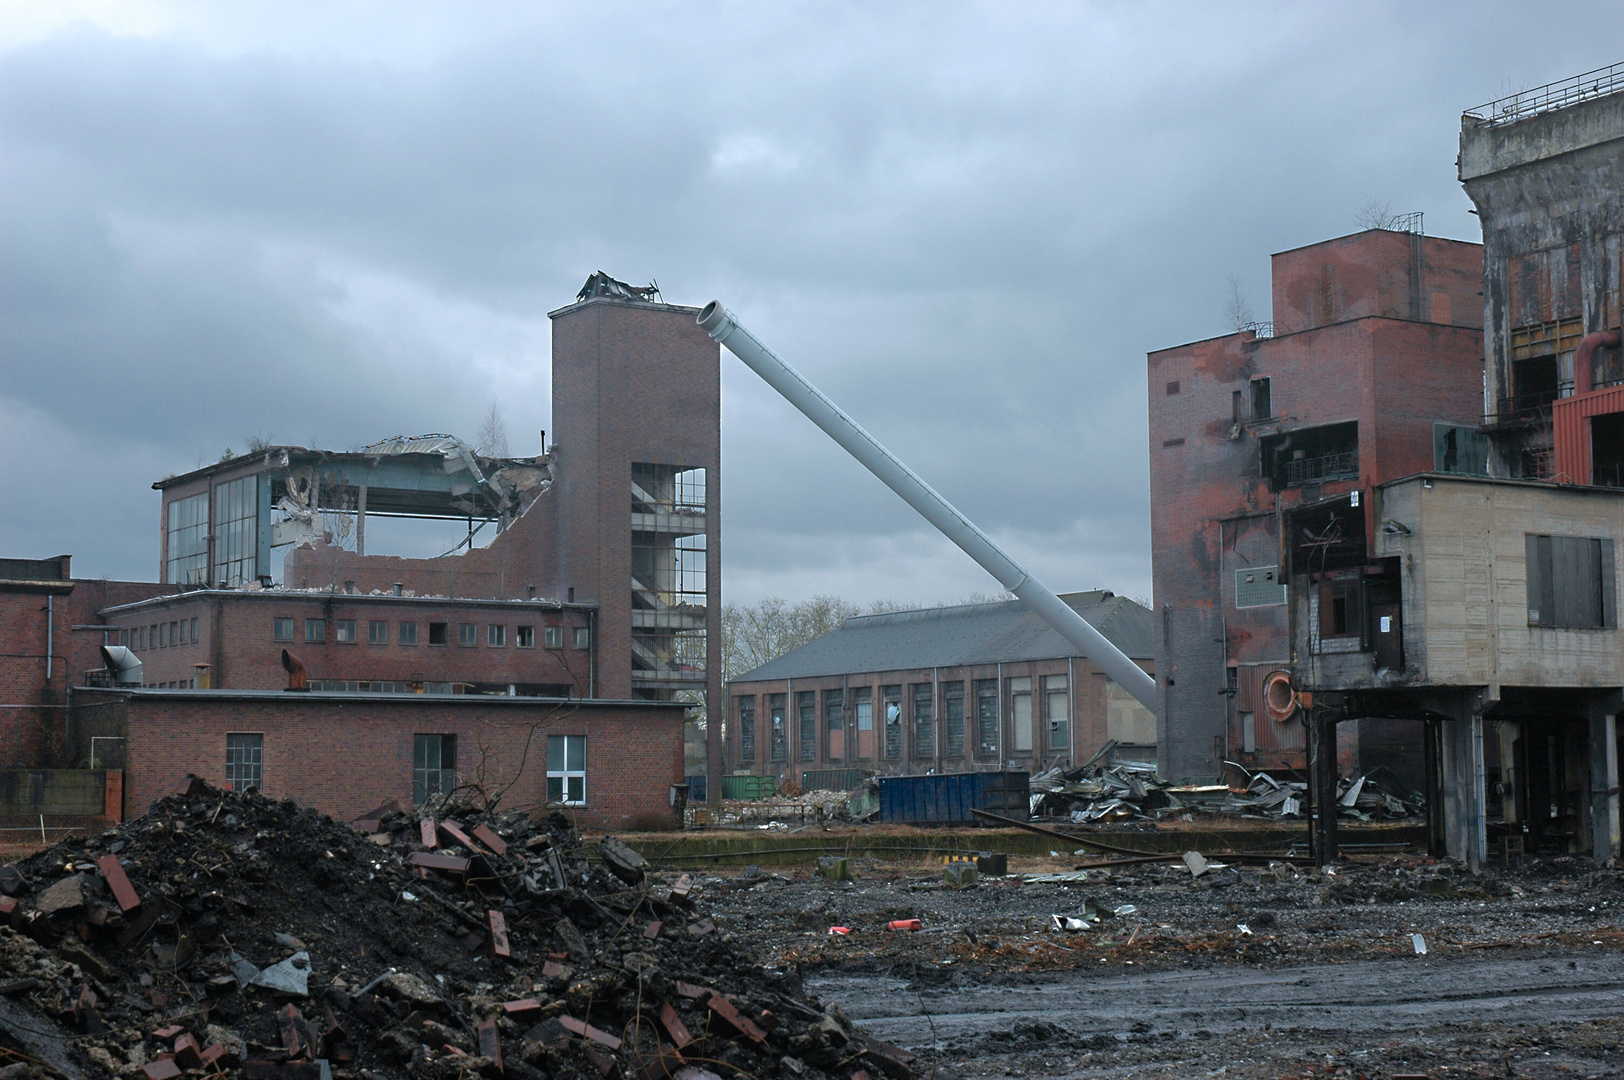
{"x":1552,"y":96}
{"x":1525,"y":408}
{"x":1325,"y":467}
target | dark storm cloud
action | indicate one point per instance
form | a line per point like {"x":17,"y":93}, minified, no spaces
{"x":967,"y":224}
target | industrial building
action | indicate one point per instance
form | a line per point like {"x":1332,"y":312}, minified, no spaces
{"x":594,"y":604}
{"x":949,"y":689}
{"x":1371,"y":370}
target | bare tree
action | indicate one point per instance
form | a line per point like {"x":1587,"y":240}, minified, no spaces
{"x":1376,"y":214}
{"x":493,"y":440}
{"x":258,"y":444}
{"x":1236,"y":310}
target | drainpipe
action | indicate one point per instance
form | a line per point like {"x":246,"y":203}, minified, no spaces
{"x":1581,"y":359}
{"x":50,"y":633}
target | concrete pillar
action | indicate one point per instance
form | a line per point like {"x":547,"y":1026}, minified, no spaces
{"x":1465,"y":826}
{"x":1322,"y":784}
{"x":1604,"y":801}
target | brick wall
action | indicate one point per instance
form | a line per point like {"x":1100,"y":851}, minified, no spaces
{"x":345,"y":754}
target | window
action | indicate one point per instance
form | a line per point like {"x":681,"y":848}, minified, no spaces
{"x":377,"y":632}
{"x":778,"y":748}
{"x":806,"y":715}
{"x":1057,"y":710}
{"x":344,"y":631}
{"x":194,"y":629}
{"x":987,"y":718}
{"x":315,"y":631}
{"x":187,"y":550}
{"x":245,"y":754}
{"x":467,"y":634}
{"x":236,"y":532}
{"x":893,"y":720}
{"x":583,"y":637}
{"x":1571,"y":582}
{"x":747,"y":730}
{"x":1310,"y":455}
{"x":863,"y":708}
{"x":524,"y":637}
{"x":496,"y":636}
{"x":566,"y":769}
{"x":1020,"y":711}
{"x":1259,"y":586}
{"x":434,"y":766}
{"x":407,"y":633}
{"x":953,"y":718}
{"x":1172,"y":387}
{"x":834,"y":724}
{"x":1459,"y":449}
{"x":924,"y":699}
{"x":1262,"y":405}
{"x":437,"y":633}
{"x":281,"y":629}
{"x":555,"y":637}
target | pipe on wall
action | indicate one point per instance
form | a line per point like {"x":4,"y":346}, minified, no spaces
{"x":724,"y":327}
{"x":1608,"y":339}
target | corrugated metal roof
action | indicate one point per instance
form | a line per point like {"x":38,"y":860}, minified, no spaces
{"x":951,"y":636}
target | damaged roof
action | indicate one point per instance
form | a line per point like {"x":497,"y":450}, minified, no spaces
{"x":953,"y":636}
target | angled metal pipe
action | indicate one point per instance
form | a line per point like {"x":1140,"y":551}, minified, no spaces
{"x":721,"y":325}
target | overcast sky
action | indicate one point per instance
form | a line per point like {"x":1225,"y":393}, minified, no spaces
{"x":328,"y":223}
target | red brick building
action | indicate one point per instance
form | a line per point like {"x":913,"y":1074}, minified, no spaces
{"x":607,"y":763}
{"x":1371,"y":370}
{"x":974,"y":686}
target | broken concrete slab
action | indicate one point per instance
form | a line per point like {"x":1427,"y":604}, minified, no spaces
{"x":291,"y":976}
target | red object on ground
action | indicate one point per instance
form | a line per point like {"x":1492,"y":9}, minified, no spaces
{"x":487,"y":836}
{"x":902,"y":924}
{"x":839,"y":929}
{"x":430,"y":838}
{"x":453,"y":830}
{"x":429,"y":861}
{"x":123,"y":891}
{"x":499,"y":938}
{"x":722,"y":1007}
{"x":674,"y":1026}
{"x":162,"y":1069}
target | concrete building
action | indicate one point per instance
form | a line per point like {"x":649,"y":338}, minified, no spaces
{"x":1371,"y":370}
{"x":976,"y":686}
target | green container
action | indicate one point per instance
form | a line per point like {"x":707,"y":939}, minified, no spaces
{"x":748,"y":787}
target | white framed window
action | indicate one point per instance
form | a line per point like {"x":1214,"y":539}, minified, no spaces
{"x":434,"y":766}
{"x":1057,"y":710}
{"x":524,"y":637}
{"x":554,"y":636}
{"x":566,"y":769}
{"x":496,"y":636}
{"x":245,"y":757}
{"x":583,"y":637}
{"x":345,"y":631}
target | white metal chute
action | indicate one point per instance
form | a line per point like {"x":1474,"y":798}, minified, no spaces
{"x":724,"y":327}
{"x":124,"y":664}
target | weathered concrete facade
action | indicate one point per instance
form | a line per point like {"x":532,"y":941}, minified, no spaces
{"x":1549,"y":191}
{"x":1372,"y":372}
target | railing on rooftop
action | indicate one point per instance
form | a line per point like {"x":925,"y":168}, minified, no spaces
{"x":1258,"y":329}
{"x":1325,"y":467}
{"x":1552,"y":96}
{"x":1524,"y":409}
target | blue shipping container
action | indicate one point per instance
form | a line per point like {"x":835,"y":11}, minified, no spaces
{"x":950,"y":797}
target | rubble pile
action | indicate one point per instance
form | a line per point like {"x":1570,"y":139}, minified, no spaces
{"x":230,"y":934}
{"x":1108,"y":791}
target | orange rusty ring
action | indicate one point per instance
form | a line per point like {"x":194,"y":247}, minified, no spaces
{"x":1279,"y":696}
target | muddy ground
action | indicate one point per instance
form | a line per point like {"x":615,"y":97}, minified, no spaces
{"x":1244,"y":972}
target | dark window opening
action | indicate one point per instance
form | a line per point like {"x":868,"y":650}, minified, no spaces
{"x":1172,"y":387}
{"x":987,"y":718}
{"x":747,"y":731}
{"x":1311,"y":455}
{"x":834,"y":725}
{"x":437,"y":633}
{"x":1534,"y":385}
{"x":434,"y":766}
{"x":1327,"y":536}
{"x":953,"y":718}
{"x":924,"y":700}
{"x":806,"y":715}
{"x":1459,"y":449}
{"x":1262,"y":405}
{"x":1236,"y":407}
{"x":1172,"y":442}
{"x":893,"y":720}
{"x":778,"y":747}
{"x":1607,"y":450}
{"x":1571,"y":582}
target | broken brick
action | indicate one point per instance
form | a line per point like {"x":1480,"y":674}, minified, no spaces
{"x":602,"y":1062}
{"x":652,"y":930}
{"x":664,"y":1062}
{"x":490,"y":1043}
{"x":742,"y":1024}
{"x":426,"y":860}
{"x":162,"y":1069}
{"x":684,"y":885}
{"x":426,"y":828}
{"x":689,"y":990}
{"x":701,"y":928}
{"x":674,"y":1026}
{"x":188,"y":1055}
{"x":499,"y":937}
{"x":168,"y":1032}
{"x":212,"y":1054}
{"x":119,"y":882}
{"x":587,"y":1031}
{"x":487,"y":836}
{"x":453,"y":830}
{"x":522,"y":1009}
{"x":550,"y":1032}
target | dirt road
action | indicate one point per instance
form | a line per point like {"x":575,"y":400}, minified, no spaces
{"x":1525,"y":1015}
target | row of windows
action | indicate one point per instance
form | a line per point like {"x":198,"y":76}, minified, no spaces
{"x":434,"y":766}
{"x":825,"y":734}
{"x":160,"y":635}
{"x":496,"y":636}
